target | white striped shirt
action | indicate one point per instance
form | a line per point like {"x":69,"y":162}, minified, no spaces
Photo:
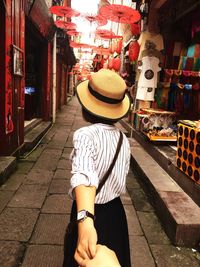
{"x":94,"y":150}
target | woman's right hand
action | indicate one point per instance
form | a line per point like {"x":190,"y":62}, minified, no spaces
{"x":87,"y":241}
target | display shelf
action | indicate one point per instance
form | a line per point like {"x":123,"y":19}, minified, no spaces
{"x":160,"y":138}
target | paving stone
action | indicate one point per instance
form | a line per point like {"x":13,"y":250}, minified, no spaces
{"x":13,"y":182}
{"x":66,"y":155}
{"x":170,"y":256}
{"x":57,"y":204}
{"x":140,"y":253}
{"x":79,"y":124}
{"x":67,"y":150}
{"x":48,"y":136}
{"x":24,"y":167}
{"x":61,"y":136}
{"x":152,"y":228}
{"x":69,"y":142}
{"x":43,"y":256}
{"x":59,"y":186}
{"x":17,"y":223}
{"x":64,"y":164}
{"x":50,"y":229}
{"x":62,"y":174}
{"x":35,"y":153}
{"x":29,"y":196}
{"x":131,"y":181}
{"x":140,"y":200}
{"x":48,"y":159}
{"x":5,"y":197}
{"x":11,"y":253}
{"x":37,"y":176}
{"x":134,"y":227}
{"x":64,"y":121}
{"x":7,"y":166}
{"x":54,"y":145}
{"x":126,"y":200}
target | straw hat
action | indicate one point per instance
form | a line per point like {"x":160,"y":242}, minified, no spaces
{"x":104,"y":95}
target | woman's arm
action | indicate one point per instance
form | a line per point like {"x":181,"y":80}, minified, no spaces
{"x":87,"y":236}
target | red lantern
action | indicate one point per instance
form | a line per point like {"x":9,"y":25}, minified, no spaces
{"x":116,"y":63}
{"x":134,"y":49}
{"x":119,"y":47}
{"x":135,"y":29}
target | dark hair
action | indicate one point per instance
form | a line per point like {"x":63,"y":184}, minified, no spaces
{"x":89,"y":117}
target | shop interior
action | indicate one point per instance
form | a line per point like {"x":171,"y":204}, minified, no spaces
{"x":33,"y":75}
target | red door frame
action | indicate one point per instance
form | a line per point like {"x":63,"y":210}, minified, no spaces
{"x":12,"y":85}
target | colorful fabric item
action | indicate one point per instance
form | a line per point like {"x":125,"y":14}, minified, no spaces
{"x":168,"y":75}
{"x":182,"y":63}
{"x":176,"y":76}
{"x":190,"y":51}
{"x":197,"y":51}
{"x":175,"y":62}
{"x":185,"y":77}
{"x":189,"y":63}
{"x":171,"y":97}
{"x":177,"y":49}
{"x":196,"y":66}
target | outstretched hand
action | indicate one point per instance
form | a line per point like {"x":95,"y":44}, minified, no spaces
{"x":87,"y":241}
{"x":104,"y":257}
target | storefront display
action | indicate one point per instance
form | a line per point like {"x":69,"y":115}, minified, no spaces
{"x":148,"y":77}
{"x":157,"y":125}
{"x":188,"y":149}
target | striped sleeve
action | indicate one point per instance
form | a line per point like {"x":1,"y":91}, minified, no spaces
{"x":83,"y":161}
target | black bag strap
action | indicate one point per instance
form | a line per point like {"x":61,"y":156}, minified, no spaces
{"x":106,"y":175}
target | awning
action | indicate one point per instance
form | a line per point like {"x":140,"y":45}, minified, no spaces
{"x":42,"y":18}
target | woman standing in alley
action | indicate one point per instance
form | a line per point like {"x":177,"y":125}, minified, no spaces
{"x":97,"y":215}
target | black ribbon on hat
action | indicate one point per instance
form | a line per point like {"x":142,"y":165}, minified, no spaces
{"x":104,"y":98}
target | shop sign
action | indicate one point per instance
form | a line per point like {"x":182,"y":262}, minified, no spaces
{"x":18,"y":61}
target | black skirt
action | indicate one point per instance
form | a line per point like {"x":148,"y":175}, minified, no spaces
{"x":112,"y":231}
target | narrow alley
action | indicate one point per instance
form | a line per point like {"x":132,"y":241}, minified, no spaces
{"x":35,"y":207}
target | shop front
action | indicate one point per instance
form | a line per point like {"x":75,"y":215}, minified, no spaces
{"x":39,"y":30}
{"x":12,"y":76}
{"x":165,"y":115}
{"x":26,"y":39}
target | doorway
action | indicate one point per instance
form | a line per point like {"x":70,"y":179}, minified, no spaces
{"x":33,"y":74}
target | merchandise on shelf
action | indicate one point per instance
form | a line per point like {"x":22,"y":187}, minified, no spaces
{"x":157,"y":124}
{"x":188,"y":149}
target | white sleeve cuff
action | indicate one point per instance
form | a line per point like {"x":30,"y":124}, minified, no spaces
{"x":89,"y":179}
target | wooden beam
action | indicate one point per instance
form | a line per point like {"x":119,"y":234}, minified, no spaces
{"x":156,"y":4}
{"x":159,"y":3}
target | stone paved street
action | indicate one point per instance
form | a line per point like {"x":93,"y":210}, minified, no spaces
{"x":35,"y":208}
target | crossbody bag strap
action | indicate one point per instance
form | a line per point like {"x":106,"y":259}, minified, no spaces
{"x":106,"y":175}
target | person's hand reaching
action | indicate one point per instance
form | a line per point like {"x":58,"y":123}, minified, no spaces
{"x":104,"y":257}
{"x":87,"y":241}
